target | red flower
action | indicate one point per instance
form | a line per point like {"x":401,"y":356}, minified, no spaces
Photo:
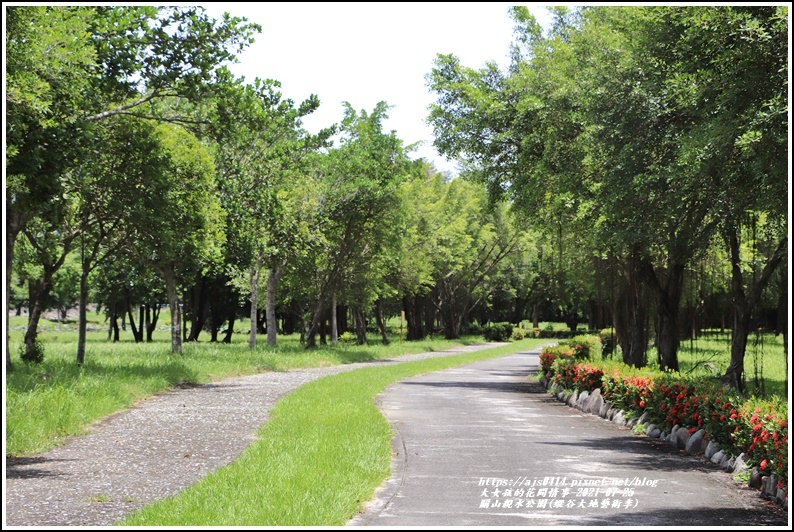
{"x":763,"y":464}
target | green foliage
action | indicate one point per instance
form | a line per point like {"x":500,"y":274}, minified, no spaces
{"x":608,"y":132}
{"x":609,"y":341}
{"x":518,"y":334}
{"x":347,"y":337}
{"x":585,"y":346}
{"x":32,"y":355}
{"x":498,"y":332}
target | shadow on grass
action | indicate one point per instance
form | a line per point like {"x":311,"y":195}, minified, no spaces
{"x":59,"y":372}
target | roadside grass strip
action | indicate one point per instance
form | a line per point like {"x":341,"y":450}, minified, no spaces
{"x":318,"y":460}
{"x":48,"y":402}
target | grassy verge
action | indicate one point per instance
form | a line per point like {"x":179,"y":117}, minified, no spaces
{"x":323,"y":452}
{"x":47,"y":402}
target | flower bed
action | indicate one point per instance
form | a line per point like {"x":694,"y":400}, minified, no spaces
{"x":739,"y":425}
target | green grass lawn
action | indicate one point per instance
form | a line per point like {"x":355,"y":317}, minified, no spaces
{"x":303,"y":470}
{"x":319,"y":458}
{"x":47,"y":402}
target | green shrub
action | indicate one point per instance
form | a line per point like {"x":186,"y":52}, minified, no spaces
{"x":764,"y":435}
{"x":573,"y":375}
{"x":518,"y":334}
{"x":552,"y":353}
{"x":584,"y":346}
{"x":35,"y":355}
{"x":608,"y":341}
{"x":474,"y":328}
{"x":756,"y":427}
{"x":498,"y":332}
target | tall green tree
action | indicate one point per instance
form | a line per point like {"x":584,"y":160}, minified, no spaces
{"x":359,"y":184}
{"x":70,"y":66}
{"x":730,"y":75}
{"x":634,"y":120}
{"x":174,"y":220}
{"x":261,"y":150}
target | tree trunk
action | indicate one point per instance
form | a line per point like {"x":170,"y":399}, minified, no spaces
{"x":734,"y":375}
{"x":451,"y":313}
{"x":334,"y":330}
{"x":783,"y":322}
{"x":261,"y":321}
{"x":535,"y":322}
{"x":230,"y":330}
{"x":38,"y":292}
{"x":744,"y":303}
{"x":253,"y":278}
{"x":214,"y":326}
{"x":184,"y":320}
{"x":141,"y":326}
{"x":216,"y":318}
{"x":15,"y":223}
{"x":270,"y":303}
{"x":519,"y":309}
{"x":426,"y":312}
{"x":198,"y":310}
{"x":82,"y":316}
{"x":136,"y":332}
{"x":630,"y":316}
{"x":114,"y":323}
{"x":413,"y":325}
{"x":169,"y":273}
{"x":323,"y":329}
{"x":151,"y":320}
{"x":361,"y":327}
{"x":668,"y":297}
{"x":310,"y":336}
{"x":381,"y":324}
{"x":341,"y":319}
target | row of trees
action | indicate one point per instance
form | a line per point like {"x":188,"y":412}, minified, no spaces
{"x":653,"y":134}
{"x":139,"y":170}
{"x":622,"y":171}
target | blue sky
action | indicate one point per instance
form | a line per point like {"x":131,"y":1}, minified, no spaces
{"x":364,"y":53}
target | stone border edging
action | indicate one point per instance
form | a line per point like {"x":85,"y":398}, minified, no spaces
{"x":679,"y":437}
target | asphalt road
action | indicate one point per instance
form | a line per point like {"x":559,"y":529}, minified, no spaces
{"x":483,"y":445}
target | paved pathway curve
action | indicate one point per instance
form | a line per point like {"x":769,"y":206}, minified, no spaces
{"x":155,"y":449}
{"x":481,"y":445}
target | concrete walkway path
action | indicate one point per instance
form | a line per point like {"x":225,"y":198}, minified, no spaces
{"x":482,"y":445}
{"x":155,"y":449}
